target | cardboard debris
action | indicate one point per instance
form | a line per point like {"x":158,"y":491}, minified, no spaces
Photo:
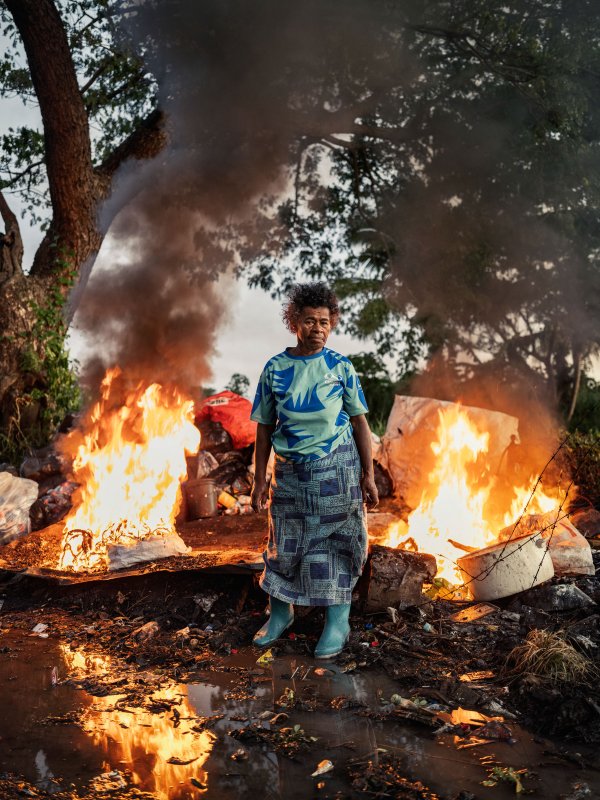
{"x":473,"y":613}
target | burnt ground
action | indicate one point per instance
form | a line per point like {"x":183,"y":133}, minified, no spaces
{"x":181,"y":622}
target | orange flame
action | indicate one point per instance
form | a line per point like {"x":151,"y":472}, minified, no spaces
{"x":454,"y":504}
{"x":130,"y":463}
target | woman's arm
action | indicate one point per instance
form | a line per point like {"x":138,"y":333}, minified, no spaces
{"x":262,"y":451}
{"x":362,"y":437}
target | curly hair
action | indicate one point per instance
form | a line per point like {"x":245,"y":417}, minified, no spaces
{"x":313,"y":295}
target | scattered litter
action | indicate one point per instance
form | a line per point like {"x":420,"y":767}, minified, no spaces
{"x":54,"y":676}
{"x":147,"y":631}
{"x":428,"y":627}
{"x":321,"y":671}
{"x":322,"y":768}
{"x":40,"y":630}
{"x":508,"y":774}
{"x":478,"y":675}
{"x":198,"y":784}
{"x":240,"y":755}
{"x":266,"y":658}
{"x":206,"y":601}
{"x":473,"y":613}
{"x":393,"y":614}
{"x":108,"y":782}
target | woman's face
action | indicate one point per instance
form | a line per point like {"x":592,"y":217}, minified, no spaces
{"x":313,"y":327}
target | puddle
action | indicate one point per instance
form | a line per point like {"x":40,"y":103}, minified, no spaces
{"x":57,"y":731}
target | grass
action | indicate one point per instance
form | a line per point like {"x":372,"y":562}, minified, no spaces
{"x":548,"y":656}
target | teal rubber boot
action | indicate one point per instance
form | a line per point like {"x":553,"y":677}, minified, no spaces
{"x":335,"y":633}
{"x":280,"y":619}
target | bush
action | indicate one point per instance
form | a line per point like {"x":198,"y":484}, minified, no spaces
{"x":583,"y":450}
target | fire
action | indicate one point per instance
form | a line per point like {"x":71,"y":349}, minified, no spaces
{"x":455,"y":503}
{"x":130,"y":463}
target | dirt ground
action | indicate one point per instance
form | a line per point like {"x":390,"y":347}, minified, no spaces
{"x":182,"y":623}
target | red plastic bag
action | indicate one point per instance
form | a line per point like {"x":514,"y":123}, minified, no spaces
{"x":233,"y":412}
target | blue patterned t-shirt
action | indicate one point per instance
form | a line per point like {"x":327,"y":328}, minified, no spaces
{"x":310,"y":400}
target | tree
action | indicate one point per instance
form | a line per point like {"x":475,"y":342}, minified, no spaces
{"x":79,"y":76}
{"x":462,"y":215}
{"x":239,"y":384}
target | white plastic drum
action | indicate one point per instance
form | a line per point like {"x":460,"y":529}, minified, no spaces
{"x":507,"y":568}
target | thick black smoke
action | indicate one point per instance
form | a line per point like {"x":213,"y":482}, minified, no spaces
{"x":242,"y":84}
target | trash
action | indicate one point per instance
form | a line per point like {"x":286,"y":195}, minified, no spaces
{"x":206,"y":601}
{"x":40,"y":630}
{"x":52,"y":506}
{"x":321,"y":671}
{"x":266,"y":658}
{"x":570,"y":552}
{"x":240,"y":755}
{"x":206,"y":463}
{"x":150,"y":549}
{"x":411,"y":427}
{"x":180,"y":762}
{"x":54,"y":676}
{"x":108,"y":782}
{"x":395,"y":577}
{"x":558,"y":597}
{"x":322,"y":768}
{"x":509,"y":774}
{"x":473,"y":613}
{"x":183,"y":633}
{"x":428,"y":628}
{"x":393,"y":614}
{"x":507,"y":568}
{"x":198,"y":784}
{"x":17,"y":495}
{"x":215,"y":438}
{"x":442,"y":589}
{"x":496,"y":730}
{"x":480,"y":675}
{"x":226,"y":500}
{"x":147,"y":631}
{"x":233,"y":412}
{"x":374,"y":643}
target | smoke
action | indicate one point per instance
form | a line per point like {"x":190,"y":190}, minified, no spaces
{"x":243,"y":85}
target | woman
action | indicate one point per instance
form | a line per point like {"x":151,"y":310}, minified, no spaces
{"x":310,"y":407}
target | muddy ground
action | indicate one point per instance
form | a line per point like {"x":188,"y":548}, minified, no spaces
{"x":137,"y":652}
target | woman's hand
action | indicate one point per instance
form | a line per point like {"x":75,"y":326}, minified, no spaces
{"x":369,"y":490}
{"x":259,"y":495}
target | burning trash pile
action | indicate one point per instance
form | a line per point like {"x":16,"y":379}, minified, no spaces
{"x":495,"y":526}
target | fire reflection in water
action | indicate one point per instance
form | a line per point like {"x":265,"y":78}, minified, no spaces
{"x":143,"y":742}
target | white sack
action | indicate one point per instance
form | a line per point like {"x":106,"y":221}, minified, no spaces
{"x":150,"y":549}
{"x":17,"y":495}
{"x":406,"y":446}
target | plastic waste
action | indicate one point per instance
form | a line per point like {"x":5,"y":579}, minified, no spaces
{"x":17,"y":495}
{"x":322,"y":768}
{"x":206,"y":463}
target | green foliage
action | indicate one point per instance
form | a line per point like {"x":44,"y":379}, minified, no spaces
{"x":239,"y":384}
{"x":117,"y":89}
{"x":56,"y":389}
{"x":584,"y":455}
{"x":586,"y":417}
{"x":378,"y":387}
{"x":462,"y":201}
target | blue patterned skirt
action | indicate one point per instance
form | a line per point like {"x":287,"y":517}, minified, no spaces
{"x":317,"y":544}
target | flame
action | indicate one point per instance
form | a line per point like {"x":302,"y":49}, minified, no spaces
{"x":130,"y":463}
{"x":455,"y":503}
{"x":144,"y":741}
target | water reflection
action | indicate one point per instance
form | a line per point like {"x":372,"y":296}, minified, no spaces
{"x":160,"y":749}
